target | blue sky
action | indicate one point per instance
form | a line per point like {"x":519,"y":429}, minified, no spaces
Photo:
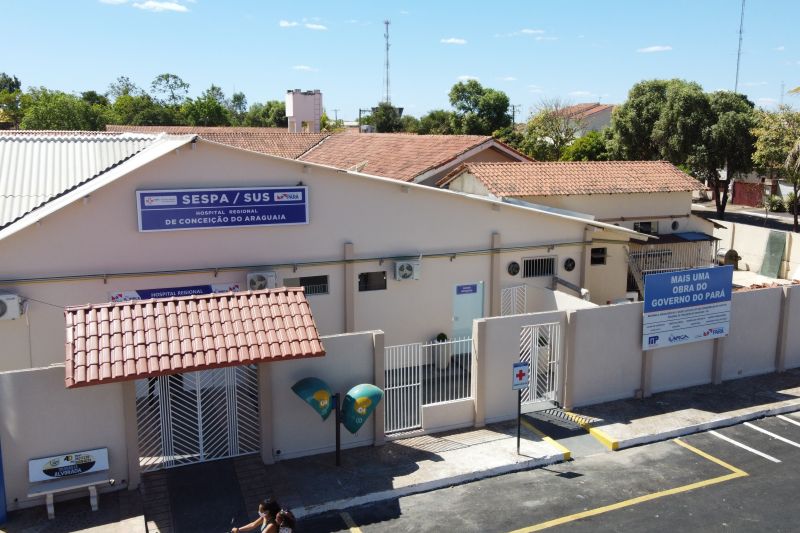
{"x":576,"y":50}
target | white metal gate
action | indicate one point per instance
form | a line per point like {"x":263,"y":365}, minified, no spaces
{"x":197,"y":416}
{"x":540,"y":345}
{"x":422,"y":374}
{"x":513,"y":300}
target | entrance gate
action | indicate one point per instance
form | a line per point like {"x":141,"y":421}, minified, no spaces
{"x":197,"y":416}
{"x":540,"y":346}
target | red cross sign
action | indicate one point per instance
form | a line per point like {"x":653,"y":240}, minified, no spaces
{"x":521,"y":376}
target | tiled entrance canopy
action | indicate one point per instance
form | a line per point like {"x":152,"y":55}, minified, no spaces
{"x":146,"y":338}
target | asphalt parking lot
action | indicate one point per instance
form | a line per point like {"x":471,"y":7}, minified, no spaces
{"x":740,"y":478}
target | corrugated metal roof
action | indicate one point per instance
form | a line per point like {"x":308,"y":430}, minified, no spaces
{"x":36,"y":167}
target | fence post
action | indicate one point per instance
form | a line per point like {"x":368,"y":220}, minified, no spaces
{"x":379,"y":415}
{"x":131,"y":433}
{"x":783,"y":330}
{"x":479,"y":370}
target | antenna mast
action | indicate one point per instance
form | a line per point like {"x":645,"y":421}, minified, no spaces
{"x":739,"y":53}
{"x":386,"y":95}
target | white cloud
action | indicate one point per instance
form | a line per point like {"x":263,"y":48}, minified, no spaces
{"x":287,"y":23}
{"x":780,"y":48}
{"x":304,"y":68}
{"x":453,"y":40}
{"x":315,"y":26}
{"x":508,"y":78}
{"x":467,"y":77}
{"x":158,"y":7}
{"x":528,"y":31}
{"x":656,"y":48}
{"x":755,"y":83}
{"x":114,"y":2}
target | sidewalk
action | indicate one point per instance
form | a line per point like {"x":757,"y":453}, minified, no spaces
{"x":666,"y":415}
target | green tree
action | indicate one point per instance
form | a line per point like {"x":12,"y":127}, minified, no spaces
{"x":437,"y":122}
{"x":142,"y":110}
{"x":123,"y":86}
{"x":169,"y":89}
{"x":409,"y":124}
{"x":776,"y":151}
{"x":207,"y":110}
{"x":728,"y":142}
{"x":271,"y":114}
{"x":95,"y":98}
{"x":10,"y":99}
{"x":633,"y":122}
{"x":550,"y":131}
{"x":478,"y":110}
{"x":326,"y":124}
{"x":590,"y":147}
{"x":386,"y":118}
{"x":681,"y":126}
{"x":510,"y":135}
{"x":237,"y":106}
{"x":55,"y":110}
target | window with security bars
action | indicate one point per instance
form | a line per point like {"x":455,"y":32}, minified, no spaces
{"x":311,"y":284}
{"x":537,"y":267}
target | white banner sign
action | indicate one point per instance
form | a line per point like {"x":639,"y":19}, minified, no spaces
{"x":69,"y":464}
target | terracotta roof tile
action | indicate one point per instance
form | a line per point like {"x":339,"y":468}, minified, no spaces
{"x":392,"y":155}
{"x":585,"y":110}
{"x":137,"y":339}
{"x":577,"y":178}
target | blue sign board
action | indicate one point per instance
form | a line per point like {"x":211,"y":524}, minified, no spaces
{"x":180,"y":209}
{"x":467,"y":289}
{"x":686,"y":306}
{"x":521,"y":375}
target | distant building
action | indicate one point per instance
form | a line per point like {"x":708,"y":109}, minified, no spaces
{"x":592,"y":116}
{"x":304,"y":110}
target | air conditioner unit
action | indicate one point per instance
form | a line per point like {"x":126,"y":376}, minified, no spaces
{"x":10,"y":306}
{"x":407,"y":269}
{"x":257,"y":281}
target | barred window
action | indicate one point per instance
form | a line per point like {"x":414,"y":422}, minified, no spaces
{"x":311,"y":284}
{"x":372,"y":281}
{"x":599,"y":256}
{"x":538,"y":267}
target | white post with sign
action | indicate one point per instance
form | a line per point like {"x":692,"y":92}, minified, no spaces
{"x":521,"y":380}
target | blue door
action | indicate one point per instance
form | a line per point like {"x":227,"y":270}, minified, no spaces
{"x":467,"y":306}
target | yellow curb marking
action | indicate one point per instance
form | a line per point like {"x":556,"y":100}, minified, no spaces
{"x":349,"y":522}
{"x":735,"y":473}
{"x":567,"y":454}
{"x":604,"y":439}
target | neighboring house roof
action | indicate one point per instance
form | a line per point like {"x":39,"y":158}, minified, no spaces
{"x":399,"y":156}
{"x":577,"y":178}
{"x":272,"y":141}
{"x":36,"y":167}
{"x":148,"y":338}
{"x":585,"y":110}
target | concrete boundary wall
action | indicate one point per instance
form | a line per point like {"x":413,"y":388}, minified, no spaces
{"x":751,"y":243}
{"x":750,"y":347}
{"x":791,"y":331}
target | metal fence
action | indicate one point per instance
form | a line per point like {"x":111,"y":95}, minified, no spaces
{"x":540,"y":346}
{"x":646,"y":259}
{"x":423,"y":374}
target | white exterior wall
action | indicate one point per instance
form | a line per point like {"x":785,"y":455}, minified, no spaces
{"x":751,"y":242}
{"x":793,"y":333}
{"x":40,"y":418}
{"x":755,"y":321}
{"x":304,"y":106}
{"x":612,"y":207}
{"x":382,"y":218}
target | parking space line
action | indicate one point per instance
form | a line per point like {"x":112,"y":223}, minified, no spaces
{"x":349,"y":522}
{"x":604,"y":439}
{"x":773,"y":435}
{"x":734,"y":473}
{"x":787,"y":419}
{"x":744,"y":447}
{"x":567,"y":454}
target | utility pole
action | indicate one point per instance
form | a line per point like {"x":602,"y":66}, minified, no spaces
{"x":386,"y":94}
{"x":336,"y":115}
{"x":739,"y":53}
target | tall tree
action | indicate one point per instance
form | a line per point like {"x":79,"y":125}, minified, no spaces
{"x":207,"y":110}
{"x":590,"y":147}
{"x":9,"y":83}
{"x":10,"y":100}
{"x":777,"y":134}
{"x":271,"y":114}
{"x":437,"y":122}
{"x":142,"y":110}
{"x":169,"y":89}
{"x":633,"y":122}
{"x":56,"y":110}
{"x":682,"y":123}
{"x":479,"y":110}
{"x":237,"y":106}
{"x":123,"y":86}
{"x":550,"y":130}
{"x":386,"y":118}
{"x":728,"y":143}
